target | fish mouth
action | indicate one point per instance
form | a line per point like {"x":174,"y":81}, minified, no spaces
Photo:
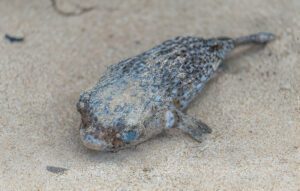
{"x":101,"y":140}
{"x":92,"y":140}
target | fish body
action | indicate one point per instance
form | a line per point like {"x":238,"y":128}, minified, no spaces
{"x":142,"y":96}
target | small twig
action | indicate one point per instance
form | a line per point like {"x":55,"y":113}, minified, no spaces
{"x":13,"y":39}
{"x":56,"y":170}
{"x":81,"y":11}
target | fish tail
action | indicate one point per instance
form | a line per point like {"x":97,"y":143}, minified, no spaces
{"x":258,"y":38}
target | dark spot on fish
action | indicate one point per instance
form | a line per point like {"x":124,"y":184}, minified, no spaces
{"x":117,"y":143}
{"x":215,"y":47}
{"x":176,"y":102}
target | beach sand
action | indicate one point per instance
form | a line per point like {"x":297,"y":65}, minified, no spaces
{"x":253,"y":106}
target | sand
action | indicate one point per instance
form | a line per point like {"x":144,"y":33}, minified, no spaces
{"x":253,"y":106}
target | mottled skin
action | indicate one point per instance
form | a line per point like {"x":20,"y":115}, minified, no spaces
{"x":142,"y":96}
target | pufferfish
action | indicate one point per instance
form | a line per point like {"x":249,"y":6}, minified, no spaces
{"x":142,"y":96}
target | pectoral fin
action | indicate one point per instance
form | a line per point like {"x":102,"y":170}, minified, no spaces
{"x":191,"y":126}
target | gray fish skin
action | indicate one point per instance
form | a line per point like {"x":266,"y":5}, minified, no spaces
{"x":142,"y":96}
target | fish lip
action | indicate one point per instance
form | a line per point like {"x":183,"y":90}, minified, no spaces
{"x":91,"y":142}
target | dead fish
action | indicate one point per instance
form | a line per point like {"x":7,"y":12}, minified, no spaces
{"x":138,"y":98}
